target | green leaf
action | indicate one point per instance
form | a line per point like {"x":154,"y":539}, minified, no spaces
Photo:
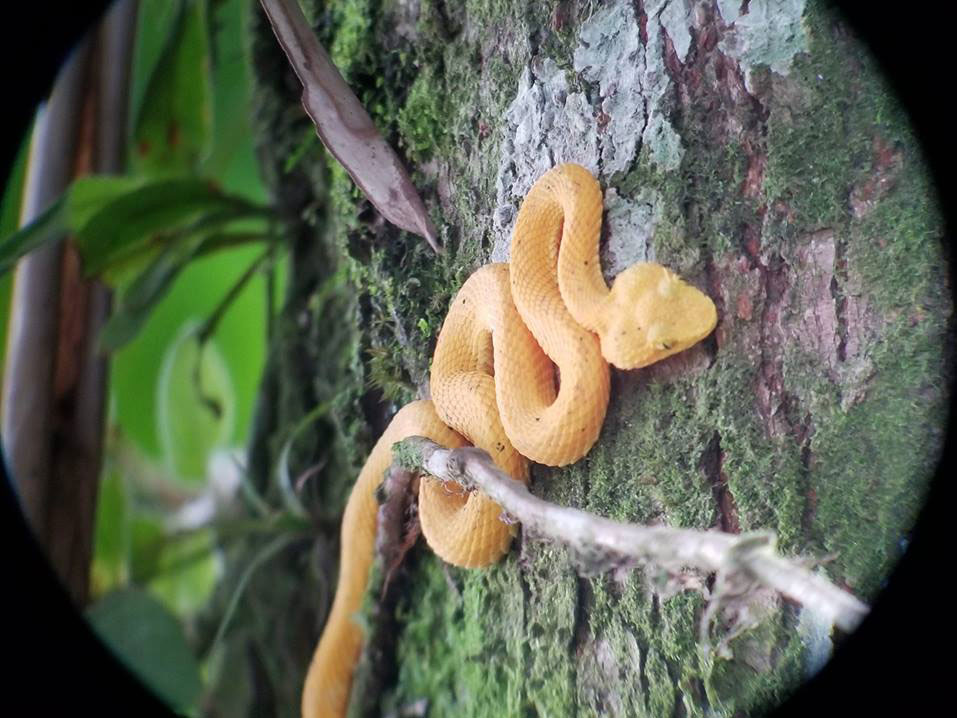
{"x":111,"y":540}
{"x":196,"y":409}
{"x":150,"y":274}
{"x":114,"y":219}
{"x":187,"y":572}
{"x":50,"y":226}
{"x":155,"y":22}
{"x":147,"y":215}
{"x":137,"y":302}
{"x":150,"y":641}
{"x":87,"y":196}
{"x":172,"y":129}
{"x":146,"y":544}
{"x":13,"y":189}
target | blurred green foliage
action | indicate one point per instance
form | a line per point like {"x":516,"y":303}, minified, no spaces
{"x":196,"y":405}
{"x":183,"y":240}
{"x":150,"y":641}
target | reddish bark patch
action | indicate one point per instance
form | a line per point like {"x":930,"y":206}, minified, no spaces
{"x":886,"y":164}
{"x":642,"y":24}
{"x":752,"y":242}
{"x":817,"y":325}
{"x":744,"y":306}
{"x":727,"y":510}
{"x":769,"y":388}
{"x":708,"y":38}
{"x":560,"y":17}
{"x":602,"y":120}
{"x":783,"y":210}
{"x":673,"y":64}
{"x":754,"y":177}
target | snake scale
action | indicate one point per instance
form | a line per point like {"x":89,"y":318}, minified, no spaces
{"x":521,"y":370}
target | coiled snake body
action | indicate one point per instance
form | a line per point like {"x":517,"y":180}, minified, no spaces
{"x":494,"y":384}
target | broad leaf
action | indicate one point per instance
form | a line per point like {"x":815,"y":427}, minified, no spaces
{"x":50,"y":226}
{"x":150,"y":641}
{"x":187,"y":572}
{"x":137,"y":302}
{"x":196,"y":405}
{"x":111,"y":535}
{"x":144,"y":216}
{"x":172,"y":129}
{"x":88,"y":195}
{"x":146,"y":545}
{"x":115,"y":218}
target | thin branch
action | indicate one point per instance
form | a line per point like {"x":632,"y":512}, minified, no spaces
{"x":267,"y":552}
{"x":737,"y":559}
{"x":205,"y":330}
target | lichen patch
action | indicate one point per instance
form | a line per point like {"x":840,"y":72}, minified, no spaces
{"x":770,"y":33}
{"x":602,"y":127}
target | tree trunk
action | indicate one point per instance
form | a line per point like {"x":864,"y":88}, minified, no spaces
{"x":55,"y":380}
{"x":756,"y":151}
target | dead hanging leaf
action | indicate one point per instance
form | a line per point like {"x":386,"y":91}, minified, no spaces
{"x":344,"y":126}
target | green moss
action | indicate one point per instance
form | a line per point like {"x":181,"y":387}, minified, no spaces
{"x":528,"y":637}
{"x":873,"y":463}
{"x":343,"y":197}
{"x":661,"y":688}
{"x":353,"y":42}
{"x":462,"y":653}
{"x":821,"y":129}
{"x":772,"y":642}
{"x":763,"y":473}
{"x":902,"y":231}
{"x":422,"y":120}
{"x":549,"y":581}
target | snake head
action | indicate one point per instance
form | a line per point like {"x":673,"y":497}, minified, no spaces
{"x":651,"y":314}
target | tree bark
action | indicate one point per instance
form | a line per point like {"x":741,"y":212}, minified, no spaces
{"x":757,"y":152}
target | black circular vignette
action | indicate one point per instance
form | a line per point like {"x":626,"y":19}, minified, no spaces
{"x":890,"y":663}
{"x":55,"y":664}
{"x":893,"y":664}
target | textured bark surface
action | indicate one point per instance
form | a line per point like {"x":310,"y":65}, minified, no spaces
{"x":752,"y":148}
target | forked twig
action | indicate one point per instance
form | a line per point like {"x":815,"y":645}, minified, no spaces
{"x":600,"y":543}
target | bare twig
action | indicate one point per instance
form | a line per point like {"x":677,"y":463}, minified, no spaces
{"x":739,"y":560}
{"x":344,"y":126}
{"x":394,"y":536}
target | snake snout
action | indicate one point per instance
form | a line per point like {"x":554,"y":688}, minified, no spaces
{"x":651,"y":315}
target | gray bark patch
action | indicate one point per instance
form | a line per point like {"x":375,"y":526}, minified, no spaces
{"x":551,"y":121}
{"x":771,"y":34}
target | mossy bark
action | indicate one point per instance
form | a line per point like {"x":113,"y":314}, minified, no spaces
{"x":759,"y":155}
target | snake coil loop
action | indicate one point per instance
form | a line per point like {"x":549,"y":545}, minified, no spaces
{"x":511,"y":332}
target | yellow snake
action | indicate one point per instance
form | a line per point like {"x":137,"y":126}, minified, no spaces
{"x":494,"y":384}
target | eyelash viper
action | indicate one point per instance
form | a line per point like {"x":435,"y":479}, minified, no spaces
{"x":494,"y":384}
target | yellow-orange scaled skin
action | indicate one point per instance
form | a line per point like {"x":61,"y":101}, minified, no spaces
{"x":326,"y":691}
{"x":511,"y":332}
